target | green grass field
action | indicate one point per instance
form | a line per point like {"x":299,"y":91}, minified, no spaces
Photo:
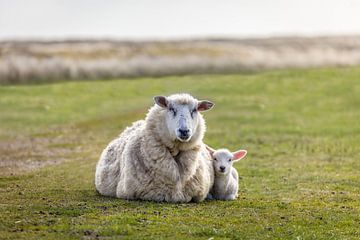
{"x":300,"y":180}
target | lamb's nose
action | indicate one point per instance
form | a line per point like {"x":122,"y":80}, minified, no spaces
{"x":222,"y":168}
{"x":184,"y":132}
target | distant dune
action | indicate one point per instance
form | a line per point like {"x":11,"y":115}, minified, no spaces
{"x":36,"y":61}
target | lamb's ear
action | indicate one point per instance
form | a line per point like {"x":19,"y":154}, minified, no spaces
{"x":161,"y":101}
{"x":239,"y":155}
{"x":204,"y":105}
{"x":210,"y":150}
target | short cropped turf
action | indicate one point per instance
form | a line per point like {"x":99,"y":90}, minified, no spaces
{"x":300,"y":180}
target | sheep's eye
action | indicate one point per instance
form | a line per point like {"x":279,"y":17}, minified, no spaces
{"x":173,"y":111}
{"x":193,"y":112}
{"x":230,"y":160}
{"x":215,"y":159}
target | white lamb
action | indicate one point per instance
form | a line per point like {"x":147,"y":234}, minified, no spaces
{"x":226,"y":183}
{"x":162,"y":158}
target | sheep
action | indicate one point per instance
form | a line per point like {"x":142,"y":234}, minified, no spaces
{"x":161,"y":158}
{"x":226,"y":182}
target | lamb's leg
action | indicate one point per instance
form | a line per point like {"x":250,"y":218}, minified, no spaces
{"x":210,"y":196}
{"x":230,"y":197}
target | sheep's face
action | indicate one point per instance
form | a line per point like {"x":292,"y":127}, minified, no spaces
{"x":223,"y":159}
{"x":182,"y":115}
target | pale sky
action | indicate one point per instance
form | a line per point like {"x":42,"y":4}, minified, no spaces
{"x":168,"y":19}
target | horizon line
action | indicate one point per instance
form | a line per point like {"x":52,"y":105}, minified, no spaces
{"x":175,"y":38}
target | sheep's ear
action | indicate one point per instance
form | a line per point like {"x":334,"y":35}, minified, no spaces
{"x":204,"y":105}
{"x":239,"y":155}
{"x":161,"y":101}
{"x":210,"y":150}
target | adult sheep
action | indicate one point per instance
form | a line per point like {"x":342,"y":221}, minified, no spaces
{"x":161,"y":158}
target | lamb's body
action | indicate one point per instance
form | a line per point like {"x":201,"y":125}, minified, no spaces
{"x":145,"y":162}
{"x":226,"y":186}
{"x":226,"y":182}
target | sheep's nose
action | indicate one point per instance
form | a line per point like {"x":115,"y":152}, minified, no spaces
{"x":222,"y":168}
{"x":184,"y":133}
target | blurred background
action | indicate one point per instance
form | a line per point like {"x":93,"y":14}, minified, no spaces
{"x":284,"y":75}
{"x":52,"y":40}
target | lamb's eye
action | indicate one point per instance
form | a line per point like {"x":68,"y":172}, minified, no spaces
{"x":230,"y":160}
{"x":173,"y":111}
{"x":215,"y":159}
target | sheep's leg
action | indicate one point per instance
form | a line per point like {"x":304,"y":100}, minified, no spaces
{"x":160,"y":159}
{"x":179,"y":196}
{"x":187,"y":163}
{"x":168,"y":168}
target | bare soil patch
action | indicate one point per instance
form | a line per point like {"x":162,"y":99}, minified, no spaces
{"x":22,"y":154}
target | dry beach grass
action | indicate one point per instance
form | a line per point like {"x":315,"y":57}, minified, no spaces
{"x":31,"y":61}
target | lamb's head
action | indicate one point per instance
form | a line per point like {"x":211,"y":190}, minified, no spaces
{"x":223,"y":159}
{"x":181,"y":114}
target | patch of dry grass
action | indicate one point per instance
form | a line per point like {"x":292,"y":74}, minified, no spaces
{"x":23,"y":62}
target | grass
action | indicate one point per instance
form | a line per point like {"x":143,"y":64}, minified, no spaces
{"x":300,"y":179}
{"x":26,"y":62}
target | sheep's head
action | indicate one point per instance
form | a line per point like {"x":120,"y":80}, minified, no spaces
{"x":223,"y":159}
{"x":182,"y":115}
